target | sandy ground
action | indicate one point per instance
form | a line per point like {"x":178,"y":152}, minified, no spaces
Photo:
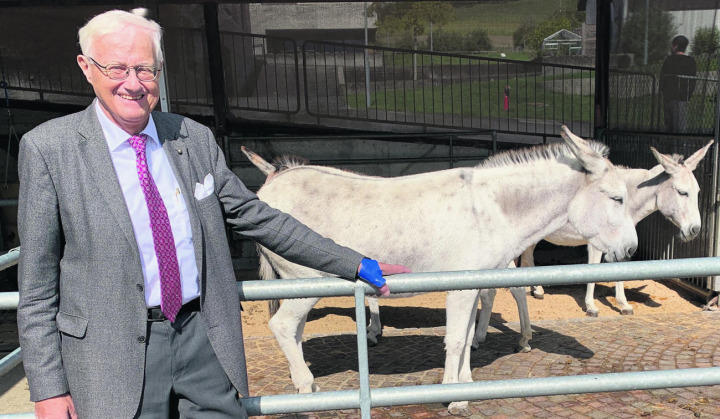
{"x":427,"y":310}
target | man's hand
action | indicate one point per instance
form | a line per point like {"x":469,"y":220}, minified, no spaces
{"x":58,"y":407}
{"x":372,"y":272}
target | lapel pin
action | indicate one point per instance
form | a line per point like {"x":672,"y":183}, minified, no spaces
{"x":179,"y":150}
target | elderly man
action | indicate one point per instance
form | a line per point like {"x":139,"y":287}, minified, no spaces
{"x":128,"y":300}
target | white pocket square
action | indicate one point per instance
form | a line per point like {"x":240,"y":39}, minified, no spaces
{"x":205,"y":189}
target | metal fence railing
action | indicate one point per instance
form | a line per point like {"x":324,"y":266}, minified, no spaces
{"x":365,"y":398}
{"x":262,"y":73}
{"x":393,"y":85}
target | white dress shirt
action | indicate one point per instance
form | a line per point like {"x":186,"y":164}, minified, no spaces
{"x":123,"y":158}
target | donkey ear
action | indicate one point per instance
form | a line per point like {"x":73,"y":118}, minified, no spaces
{"x":671,"y":166}
{"x":590,"y":159}
{"x":692,"y":161}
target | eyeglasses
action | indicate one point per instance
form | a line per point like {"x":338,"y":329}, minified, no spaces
{"x":121,"y":72}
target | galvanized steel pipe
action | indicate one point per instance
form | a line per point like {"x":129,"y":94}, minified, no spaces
{"x":10,"y":258}
{"x":494,"y":278}
{"x":485,"y":390}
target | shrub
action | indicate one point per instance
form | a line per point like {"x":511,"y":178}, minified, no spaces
{"x":706,"y":41}
{"x":479,"y":41}
{"x":448,"y":41}
{"x":523,"y":32}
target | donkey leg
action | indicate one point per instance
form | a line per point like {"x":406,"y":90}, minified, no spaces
{"x":287,"y":326}
{"x":524,"y":314}
{"x":591,"y":310}
{"x":374,"y":329}
{"x":527,"y":260}
{"x":625,"y":308}
{"x":487,"y":298}
{"x":461,"y":308}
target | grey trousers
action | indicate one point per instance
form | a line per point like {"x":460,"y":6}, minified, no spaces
{"x":676,"y":116}
{"x":183,"y":377}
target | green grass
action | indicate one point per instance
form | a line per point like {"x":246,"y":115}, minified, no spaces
{"x":504,"y":17}
{"x":528,"y":99}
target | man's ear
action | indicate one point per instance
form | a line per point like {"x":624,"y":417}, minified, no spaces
{"x":85,"y":65}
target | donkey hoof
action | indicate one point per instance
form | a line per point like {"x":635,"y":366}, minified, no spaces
{"x":591,"y":313}
{"x":313,"y":388}
{"x":372,"y":343}
{"x":522,"y":349}
{"x":627,"y":312}
{"x":460,"y":409}
{"x":539,"y":296}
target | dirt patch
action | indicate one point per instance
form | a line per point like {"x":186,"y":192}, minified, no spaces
{"x":337,"y":314}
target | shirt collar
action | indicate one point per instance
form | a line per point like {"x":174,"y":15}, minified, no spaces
{"x":115,"y":136}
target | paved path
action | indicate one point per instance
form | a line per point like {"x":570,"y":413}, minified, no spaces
{"x":560,"y":347}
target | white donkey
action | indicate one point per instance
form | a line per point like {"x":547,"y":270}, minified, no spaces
{"x":670,"y":187}
{"x":457,"y":219}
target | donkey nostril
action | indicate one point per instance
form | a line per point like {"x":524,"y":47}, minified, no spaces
{"x":694,"y":230}
{"x":631,"y":251}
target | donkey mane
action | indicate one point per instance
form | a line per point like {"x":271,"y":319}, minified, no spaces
{"x":506,"y":158}
{"x":539,"y":152}
{"x":285,"y":162}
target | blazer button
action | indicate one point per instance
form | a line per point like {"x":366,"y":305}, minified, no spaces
{"x":139,"y":287}
{"x":141,"y":339}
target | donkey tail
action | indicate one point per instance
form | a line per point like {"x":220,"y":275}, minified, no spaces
{"x":266,"y":271}
{"x":265,"y":167}
{"x":278,"y":164}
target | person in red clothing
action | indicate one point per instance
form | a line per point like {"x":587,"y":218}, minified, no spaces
{"x":677,"y":83}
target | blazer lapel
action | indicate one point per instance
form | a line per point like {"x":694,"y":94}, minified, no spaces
{"x":96,"y":158}
{"x":174,"y":141}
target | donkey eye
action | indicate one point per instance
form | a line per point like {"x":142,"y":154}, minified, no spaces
{"x":618,"y":199}
{"x":683,"y":193}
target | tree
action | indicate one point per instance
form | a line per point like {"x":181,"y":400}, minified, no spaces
{"x":706,"y":41}
{"x":660,"y":32}
{"x":523,"y":32}
{"x":415,"y":16}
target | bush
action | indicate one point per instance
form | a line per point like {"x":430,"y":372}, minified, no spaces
{"x":523,"y":32}
{"x":479,"y":41}
{"x":448,"y":41}
{"x":706,"y":41}
{"x":405,"y":41}
{"x":454,"y":41}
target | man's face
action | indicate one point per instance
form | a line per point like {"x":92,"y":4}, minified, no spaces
{"x":127,"y":102}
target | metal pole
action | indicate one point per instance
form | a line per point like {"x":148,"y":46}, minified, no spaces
{"x":9,"y":259}
{"x":10,"y":361}
{"x":367,"y":60}
{"x":363,"y":368}
{"x":485,"y":390}
{"x":647,"y":26}
{"x":715,"y":251}
{"x":491,"y":278}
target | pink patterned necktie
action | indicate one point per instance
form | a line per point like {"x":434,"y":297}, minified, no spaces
{"x":170,"y":288}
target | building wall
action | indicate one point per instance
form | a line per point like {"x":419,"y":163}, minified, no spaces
{"x":307,"y":16}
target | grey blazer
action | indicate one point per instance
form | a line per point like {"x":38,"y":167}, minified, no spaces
{"x":82,"y":317}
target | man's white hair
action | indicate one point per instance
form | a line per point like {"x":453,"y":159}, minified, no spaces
{"x":115,"y":21}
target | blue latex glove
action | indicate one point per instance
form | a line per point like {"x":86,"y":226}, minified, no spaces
{"x":371,"y":273}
